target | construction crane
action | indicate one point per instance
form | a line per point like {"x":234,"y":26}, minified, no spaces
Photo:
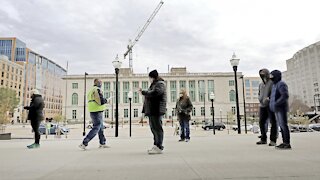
{"x":132,"y":43}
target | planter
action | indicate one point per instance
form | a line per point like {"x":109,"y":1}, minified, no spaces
{"x":5,"y":136}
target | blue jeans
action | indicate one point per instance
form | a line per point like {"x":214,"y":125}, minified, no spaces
{"x":156,"y":129}
{"x":96,"y":129}
{"x":282,"y":119}
{"x":185,"y":129}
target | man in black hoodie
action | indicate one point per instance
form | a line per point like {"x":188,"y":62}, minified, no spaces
{"x":155,"y":107}
{"x":265,"y":113}
{"x":279,"y":105}
{"x":35,"y":116}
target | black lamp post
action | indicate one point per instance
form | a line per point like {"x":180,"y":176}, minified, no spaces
{"x":130,"y":98}
{"x":234,"y":63}
{"x":244,"y":106}
{"x":84,"y":103}
{"x":212,"y":96}
{"x":117,"y":64}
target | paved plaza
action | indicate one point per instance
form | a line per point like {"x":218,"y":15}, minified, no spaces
{"x":224,"y":156}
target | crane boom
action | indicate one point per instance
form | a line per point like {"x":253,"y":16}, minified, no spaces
{"x":131,"y":44}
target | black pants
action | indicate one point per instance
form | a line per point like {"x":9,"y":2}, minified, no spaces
{"x":35,"y":126}
{"x":155,"y":123}
{"x":266,"y":114}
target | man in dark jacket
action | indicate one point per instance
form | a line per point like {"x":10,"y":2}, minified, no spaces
{"x":265,"y":113}
{"x":155,"y":107}
{"x":279,"y":105}
{"x":35,"y":116}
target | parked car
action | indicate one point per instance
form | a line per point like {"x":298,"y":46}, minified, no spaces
{"x":53,"y":129}
{"x":217,"y":125}
{"x":299,"y":128}
{"x":315,"y":127}
{"x":249,"y":127}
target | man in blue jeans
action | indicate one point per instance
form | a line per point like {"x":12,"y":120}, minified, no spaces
{"x":279,"y":105}
{"x":96,"y":106}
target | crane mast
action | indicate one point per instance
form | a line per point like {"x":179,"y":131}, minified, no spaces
{"x":132,"y":43}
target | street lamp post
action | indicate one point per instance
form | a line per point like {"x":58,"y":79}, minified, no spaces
{"x":130,"y":98}
{"x":112,"y":109}
{"x":117,"y":64}
{"x":212,"y":99}
{"x":244,"y":106}
{"x":220,"y":115}
{"x":84,"y":104}
{"x":234,"y":63}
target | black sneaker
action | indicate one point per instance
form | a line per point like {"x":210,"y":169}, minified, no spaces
{"x":283,"y":146}
{"x":181,"y":140}
{"x":261,"y":142}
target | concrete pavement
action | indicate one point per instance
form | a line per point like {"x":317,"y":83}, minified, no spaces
{"x":204,"y":157}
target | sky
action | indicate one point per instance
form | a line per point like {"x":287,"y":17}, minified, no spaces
{"x":200,"y":35}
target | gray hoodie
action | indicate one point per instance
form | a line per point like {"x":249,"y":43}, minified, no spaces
{"x":264,"y":88}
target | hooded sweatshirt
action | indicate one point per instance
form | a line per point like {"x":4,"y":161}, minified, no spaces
{"x":279,"y":94}
{"x":264,"y":88}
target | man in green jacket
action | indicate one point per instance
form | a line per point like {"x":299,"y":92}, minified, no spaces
{"x":96,"y":106}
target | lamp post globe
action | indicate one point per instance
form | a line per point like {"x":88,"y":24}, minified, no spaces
{"x":234,"y":61}
{"x":117,"y":64}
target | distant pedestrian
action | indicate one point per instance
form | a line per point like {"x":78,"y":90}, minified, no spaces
{"x":184,"y":108}
{"x":265,"y":114}
{"x":35,"y":115}
{"x":155,"y":107}
{"x":96,"y":106}
{"x":279,"y":105}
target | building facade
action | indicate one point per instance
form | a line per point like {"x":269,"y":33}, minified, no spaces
{"x":12,"y":77}
{"x":198,"y":86}
{"x":303,"y":75}
{"x":251,"y":85}
{"x":39,"y":72}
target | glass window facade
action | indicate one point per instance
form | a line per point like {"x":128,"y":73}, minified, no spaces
{"x":173,"y":91}
{"x":126,"y":89}
{"x":74,"y":99}
{"x":125,"y":113}
{"x":74,"y":85}
{"x":231,"y":82}
{"x":201,"y":89}
{"x":135,"y":86}
{"x":192,"y":90}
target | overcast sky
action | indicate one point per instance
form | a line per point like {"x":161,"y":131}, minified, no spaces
{"x":198,"y":34}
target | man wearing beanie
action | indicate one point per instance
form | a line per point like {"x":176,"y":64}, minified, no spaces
{"x":155,"y":107}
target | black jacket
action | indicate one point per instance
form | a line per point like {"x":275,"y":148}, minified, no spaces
{"x":155,"y":103}
{"x":183,"y":108}
{"x":35,"y":108}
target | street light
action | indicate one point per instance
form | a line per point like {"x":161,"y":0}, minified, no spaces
{"x":234,"y":63}
{"x":212,"y":96}
{"x":117,"y":64}
{"x":244,"y":106}
{"x":130,"y":98}
{"x":220,"y":115}
{"x":84,"y":104}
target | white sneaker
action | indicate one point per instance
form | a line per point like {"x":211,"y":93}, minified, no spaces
{"x":155,"y":150}
{"x":82,"y":146}
{"x":104,"y":146}
{"x":151,"y":149}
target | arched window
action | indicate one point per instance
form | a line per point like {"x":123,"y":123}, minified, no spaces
{"x":232,"y":96}
{"x":74,"y":99}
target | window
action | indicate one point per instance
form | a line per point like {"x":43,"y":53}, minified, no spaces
{"x":145,"y":85}
{"x":193,"y":112}
{"x":255,"y":83}
{"x":233,"y":110}
{"x":1,"y":82}
{"x":135,"y":113}
{"x":192,"y":91}
{"x":106,"y":113}
{"x":232,"y":96}
{"x":2,"y":74}
{"x":201,"y":89}
{"x":3,"y":66}
{"x":231,"y":82}
{"x":210,"y":87}
{"x":74,"y":99}
{"x":173,"y":91}
{"x":126,"y":88}
{"x":182,"y":85}
{"x":135,"y":86}
{"x":174,"y":112}
{"x":203,"y":112}
{"x":247,"y":83}
{"x":74,"y":85}
{"x":125,"y":113}
{"x":74,"y":114}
